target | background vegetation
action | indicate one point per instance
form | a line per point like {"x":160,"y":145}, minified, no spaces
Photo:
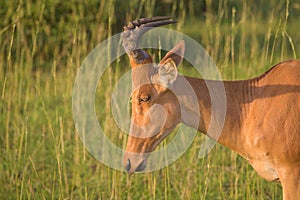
{"x":43,"y":44}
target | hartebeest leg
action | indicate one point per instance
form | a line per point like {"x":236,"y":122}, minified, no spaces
{"x":290,"y":180}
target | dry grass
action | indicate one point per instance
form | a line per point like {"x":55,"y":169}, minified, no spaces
{"x":43,"y":45}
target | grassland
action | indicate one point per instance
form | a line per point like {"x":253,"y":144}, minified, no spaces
{"x":43,"y":44}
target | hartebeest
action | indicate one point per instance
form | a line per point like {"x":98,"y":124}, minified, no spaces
{"x":262,"y":121}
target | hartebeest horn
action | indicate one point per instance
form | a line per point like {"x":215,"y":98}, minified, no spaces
{"x":133,"y":31}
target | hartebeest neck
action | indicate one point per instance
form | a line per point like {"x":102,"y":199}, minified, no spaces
{"x":225,"y":128}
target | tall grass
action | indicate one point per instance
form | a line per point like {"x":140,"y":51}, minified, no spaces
{"x":43,"y":44}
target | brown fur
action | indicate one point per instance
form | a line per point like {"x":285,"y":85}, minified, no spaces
{"x":262,"y":121}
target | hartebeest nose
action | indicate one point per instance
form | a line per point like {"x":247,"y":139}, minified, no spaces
{"x":139,"y":168}
{"x":128,"y":165}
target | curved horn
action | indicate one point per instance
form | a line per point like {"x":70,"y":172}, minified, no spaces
{"x":133,"y":31}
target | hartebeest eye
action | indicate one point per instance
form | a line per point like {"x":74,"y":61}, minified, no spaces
{"x":144,"y":98}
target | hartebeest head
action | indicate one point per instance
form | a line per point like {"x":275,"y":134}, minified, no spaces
{"x":153,"y":103}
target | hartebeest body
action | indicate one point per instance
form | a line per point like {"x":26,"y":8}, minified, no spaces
{"x":262,"y":121}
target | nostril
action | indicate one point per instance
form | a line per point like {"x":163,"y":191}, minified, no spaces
{"x":141,"y":166}
{"x":128,"y":165}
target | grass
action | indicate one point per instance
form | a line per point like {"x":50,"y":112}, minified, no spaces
{"x":43,"y":45}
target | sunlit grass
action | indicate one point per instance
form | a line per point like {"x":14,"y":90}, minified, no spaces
{"x":43,"y":45}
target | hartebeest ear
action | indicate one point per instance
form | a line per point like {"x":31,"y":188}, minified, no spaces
{"x":167,"y":70}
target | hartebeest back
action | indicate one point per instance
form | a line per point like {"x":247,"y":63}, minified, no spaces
{"x":262,"y":121}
